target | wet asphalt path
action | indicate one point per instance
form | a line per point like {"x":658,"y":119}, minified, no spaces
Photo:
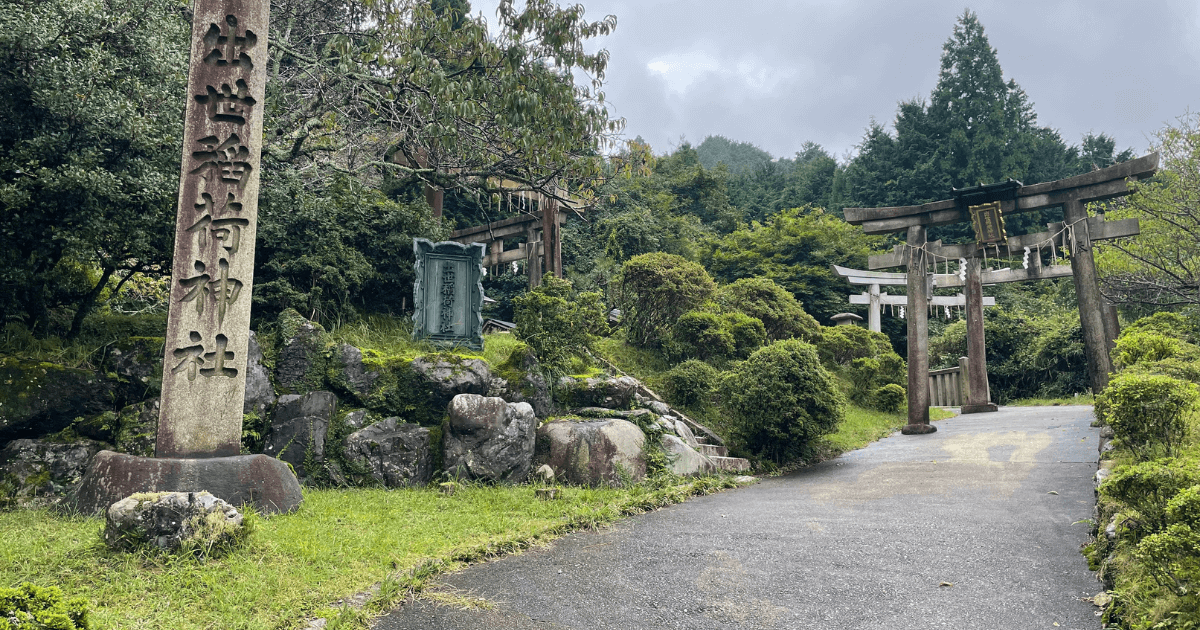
{"x":975,"y":526}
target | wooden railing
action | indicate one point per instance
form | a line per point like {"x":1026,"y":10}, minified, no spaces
{"x":948,"y":386}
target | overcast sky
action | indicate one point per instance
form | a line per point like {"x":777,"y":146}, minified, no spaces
{"x":779,"y":73}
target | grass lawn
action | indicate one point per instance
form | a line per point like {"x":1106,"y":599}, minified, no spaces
{"x":297,"y":566}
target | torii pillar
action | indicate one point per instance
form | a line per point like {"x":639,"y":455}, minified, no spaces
{"x":918,"y":335}
{"x":978,"y":398}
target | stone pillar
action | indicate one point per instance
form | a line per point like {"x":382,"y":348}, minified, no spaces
{"x":918,"y":335}
{"x":979,"y":395}
{"x":1087,"y":294}
{"x":874,"y":309}
{"x":204,"y":375}
{"x":434,"y":197}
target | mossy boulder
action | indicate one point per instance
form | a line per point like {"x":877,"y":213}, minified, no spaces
{"x":522,"y":381}
{"x":603,"y":391}
{"x":39,"y":398}
{"x":136,"y":363}
{"x":132,"y":430}
{"x":41,"y":472}
{"x":592,"y":452}
{"x":260,"y":393}
{"x":192,"y":521}
{"x":303,"y":357}
{"x":444,"y":376}
{"x":391,"y":453}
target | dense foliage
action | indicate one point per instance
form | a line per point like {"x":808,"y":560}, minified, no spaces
{"x":90,"y":143}
{"x":782,"y":399}
{"x":655,"y":290}
{"x":558,"y":323}
{"x":36,"y":607}
{"x":1148,"y":536}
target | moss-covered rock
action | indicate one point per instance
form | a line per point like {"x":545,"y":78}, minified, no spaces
{"x":42,"y":473}
{"x":191,"y":521}
{"x":39,"y":398}
{"x":606,"y":391}
{"x":136,"y":363}
{"x":303,"y":354}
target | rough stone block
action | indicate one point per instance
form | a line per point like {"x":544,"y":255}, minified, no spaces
{"x":393,"y":453}
{"x":592,"y":453}
{"x":168,"y":520}
{"x":490,"y":439}
{"x":264,"y":482}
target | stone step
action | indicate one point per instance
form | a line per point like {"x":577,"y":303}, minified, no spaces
{"x":701,"y":439}
{"x":712,"y":450}
{"x":730,"y":464}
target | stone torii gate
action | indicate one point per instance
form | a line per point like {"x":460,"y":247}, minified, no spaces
{"x":987,"y":209}
{"x":875,"y":300}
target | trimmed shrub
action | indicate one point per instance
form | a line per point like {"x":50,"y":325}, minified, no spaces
{"x":1149,"y":346}
{"x":691,"y":383}
{"x":840,"y":345}
{"x":782,"y":315}
{"x":1166,"y":323}
{"x":782,"y":399}
{"x":656,"y":289}
{"x":700,"y":335}
{"x":890,"y":398}
{"x":749,"y":333}
{"x":711,"y":337}
{"x":1148,"y":487}
{"x":1147,"y":412}
{"x":557,"y":323}
{"x":37,"y":607}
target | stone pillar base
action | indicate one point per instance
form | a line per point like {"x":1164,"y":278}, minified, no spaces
{"x":979,"y":408}
{"x":918,"y":429}
{"x":266,"y":483}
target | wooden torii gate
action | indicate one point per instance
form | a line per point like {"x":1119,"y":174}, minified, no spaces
{"x":1077,"y":232}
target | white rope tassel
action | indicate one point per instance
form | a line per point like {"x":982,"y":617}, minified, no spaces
{"x":901,"y":312}
{"x":962,"y":269}
{"x":1025,"y":260}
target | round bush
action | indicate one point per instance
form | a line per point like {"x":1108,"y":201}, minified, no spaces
{"x":748,"y":332}
{"x":1149,"y":488}
{"x":1148,"y":412}
{"x":839,"y":345}
{"x":654,"y":290}
{"x":890,"y":398}
{"x":700,"y":335}
{"x":690,"y":383}
{"x":782,"y":315}
{"x":781,"y":399}
{"x":1147,"y":346}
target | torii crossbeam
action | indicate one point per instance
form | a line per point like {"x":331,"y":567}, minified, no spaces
{"x":1072,"y":194}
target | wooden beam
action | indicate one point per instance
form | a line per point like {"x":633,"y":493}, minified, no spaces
{"x":1094,"y":186}
{"x":902,"y":300}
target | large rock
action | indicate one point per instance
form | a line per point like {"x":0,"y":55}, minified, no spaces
{"x":446,"y":376}
{"x":299,"y":427}
{"x":170,"y":520}
{"x":489,"y":439}
{"x":260,"y":394}
{"x":684,"y":460}
{"x":37,"y":472}
{"x":300,"y":367}
{"x":37,"y":398}
{"x":392,"y":453}
{"x":523,"y":382}
{"x":264,"y":482}
{"x":137,"y":364}
{"x":607,"y":391}
{"x":592,"y":452}
{"x":348,"y":374}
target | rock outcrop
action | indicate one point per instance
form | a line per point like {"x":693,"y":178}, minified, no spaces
{"x":41,"y":473}
{"x":489,"y":439}
{"x":38,"y":399}
{"x":299,"y":428}
{"x":592,"y":452}
{"x":300,"y":367}
{"x":391,"y":453}
{"x":260,"y":394}
{"x":607,"y":392}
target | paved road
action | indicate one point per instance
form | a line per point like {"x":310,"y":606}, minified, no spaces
{"x":975,"y":526}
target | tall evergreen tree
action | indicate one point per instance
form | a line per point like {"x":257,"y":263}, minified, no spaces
{"x":975,"y":128}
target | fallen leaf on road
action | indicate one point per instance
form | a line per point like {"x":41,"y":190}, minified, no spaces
{"x":946,"y":584}
{"x":1052,"y":492}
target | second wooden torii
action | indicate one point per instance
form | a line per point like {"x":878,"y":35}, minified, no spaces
{"x":875,"y":299}
{"x":1072,"y":194}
